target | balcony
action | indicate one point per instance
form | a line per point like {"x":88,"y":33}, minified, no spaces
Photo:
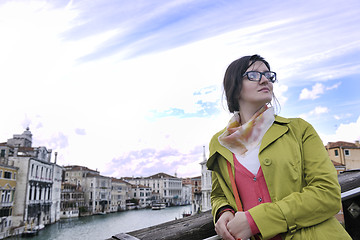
{"x":6,"y":204}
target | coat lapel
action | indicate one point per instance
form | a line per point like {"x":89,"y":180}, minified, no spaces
{"x":217,"y":148}
{"x":278,"y":129}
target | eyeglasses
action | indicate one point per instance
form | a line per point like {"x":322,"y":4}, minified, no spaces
{"x":256,"y":76}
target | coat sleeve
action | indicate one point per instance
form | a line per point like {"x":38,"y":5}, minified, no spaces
{"x":318,"y":200}
{"x":217,"y":196}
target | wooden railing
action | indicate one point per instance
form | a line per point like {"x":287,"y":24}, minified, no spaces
{"x":195,"y":227}
{"x":200,"y":226}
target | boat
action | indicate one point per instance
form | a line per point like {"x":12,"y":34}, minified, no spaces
{"x":69,"y":213}
{"x":158,"y":206}
{"x":186,"y":214}
{"x":30,"y":233}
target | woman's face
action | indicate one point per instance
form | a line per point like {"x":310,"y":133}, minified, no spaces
{"x":256,"y":93}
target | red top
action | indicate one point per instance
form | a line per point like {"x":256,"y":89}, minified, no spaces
{"x":252,"y":190}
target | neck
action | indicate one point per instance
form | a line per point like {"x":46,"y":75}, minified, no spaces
{"x":247,"y":112}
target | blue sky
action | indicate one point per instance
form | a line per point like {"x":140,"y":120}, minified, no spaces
{"x":133,"y":88}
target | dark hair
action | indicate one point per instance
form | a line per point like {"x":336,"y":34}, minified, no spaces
{"x":234,"y":76}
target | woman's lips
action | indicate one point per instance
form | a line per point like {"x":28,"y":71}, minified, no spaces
{"x":264,"y":90}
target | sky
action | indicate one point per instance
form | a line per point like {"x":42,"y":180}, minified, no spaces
{"x":134,"y":88}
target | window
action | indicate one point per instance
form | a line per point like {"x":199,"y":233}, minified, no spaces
{"x":7,"y":175}
{"x":141,"y":194}
{"x":347,"y":152}
{"x":336,"y":152}
{"x":2,"y":153}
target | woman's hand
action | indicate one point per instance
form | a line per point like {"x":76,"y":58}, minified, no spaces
{"x":220,"y":226}
{"x":239,"y":226}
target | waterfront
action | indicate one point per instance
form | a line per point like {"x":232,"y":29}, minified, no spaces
{"x":100,"y":227}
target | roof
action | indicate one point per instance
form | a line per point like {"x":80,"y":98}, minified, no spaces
{"x":78,"y":168}
{"x":342,"y":144}
{"x":337,"y":164}
{"x":139,"y":186}
{"x":118,"y":180}
{"x":161,"y":175}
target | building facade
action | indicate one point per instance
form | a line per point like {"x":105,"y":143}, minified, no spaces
{"x":72,"y":200}
{"x":345,"y":153}
{"x":97,"y":188}
{"x":37,"y":178}
{"x":8,"y":176}
{"x":206,"y":184}
{"x":120,"y":192}
{"x":142,"y":194}
{"x":167,"y":187}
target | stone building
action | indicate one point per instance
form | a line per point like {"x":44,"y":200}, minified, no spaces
{"x":8,"y":174}
{"x":72,"y":199}
{"x":206,"y":184}
{"x":97,"y":188}
{"x":37,"y":195}
{"x":120,"y":192}
{"x":166,"y":186}
{"x":142,"y":194}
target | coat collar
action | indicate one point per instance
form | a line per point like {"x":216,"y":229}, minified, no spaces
{"x":278,"y":129}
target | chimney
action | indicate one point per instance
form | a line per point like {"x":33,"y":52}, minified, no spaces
{"x":55,"y":157}
{"x":16,"y":150}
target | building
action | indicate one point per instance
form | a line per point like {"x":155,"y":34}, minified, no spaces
{"x":166,"y":186}
{"x":97,"y":188}
{"x":186,"y":193}
{"x":35,"y":188}
{"x":206,"y":184}
{"x":72,"y":200}
{"x":120,"y":192}
{"x":142,"y":194}
{"x":56,"y":191}
{"x":8,"y":176}
{"x":344,"y":153}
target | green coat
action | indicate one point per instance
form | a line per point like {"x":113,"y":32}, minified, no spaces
{"x":301,"y":179}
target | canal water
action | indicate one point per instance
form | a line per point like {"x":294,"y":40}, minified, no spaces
{"x":100,"y":227}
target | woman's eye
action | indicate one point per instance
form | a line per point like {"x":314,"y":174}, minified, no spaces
{"x":252,"y":75}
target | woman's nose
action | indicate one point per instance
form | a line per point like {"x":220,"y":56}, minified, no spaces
{"x":263,"y":79}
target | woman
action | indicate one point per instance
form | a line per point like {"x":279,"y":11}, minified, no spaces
{"x":279,"y":167}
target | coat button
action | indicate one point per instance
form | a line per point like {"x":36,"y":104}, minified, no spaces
{"x":267,"y":162}
{"x":260,"y":200}
{"x":254,"y":179}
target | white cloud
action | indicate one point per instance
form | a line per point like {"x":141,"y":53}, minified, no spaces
{"x":316,"y":112}
{"x":342,"y":116}
{"x":312,"y":94}
{"x":317,"y":90}
{"x":334,"y":86}
{"x":348,"y":132}
{"x":279,"y":91}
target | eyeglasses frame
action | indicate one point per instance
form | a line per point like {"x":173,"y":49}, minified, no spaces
{"x":261,"y":74}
